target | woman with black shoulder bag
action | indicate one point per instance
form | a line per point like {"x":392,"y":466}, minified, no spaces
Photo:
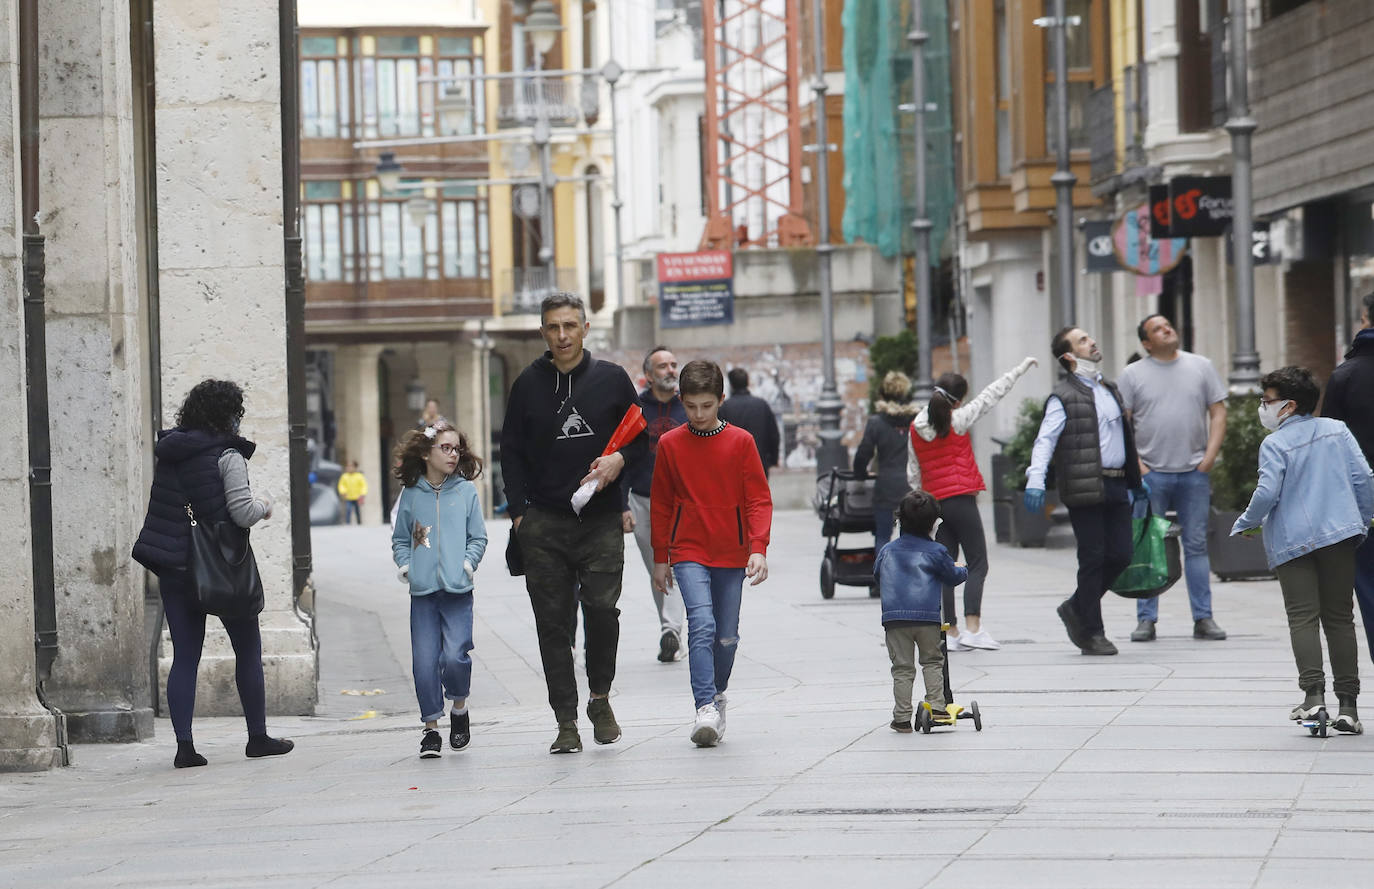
{"x":195,"y":540}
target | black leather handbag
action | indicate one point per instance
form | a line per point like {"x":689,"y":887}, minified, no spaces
{"x":221,"y":573}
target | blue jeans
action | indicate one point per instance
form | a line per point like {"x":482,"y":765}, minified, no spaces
{"x":884,"y":520}
{"x":1364,"y":587}
{"x":712,"y":597}
{"x":353,"y":511}
{"x":440,"y":639}
{"x":1190,"y":495}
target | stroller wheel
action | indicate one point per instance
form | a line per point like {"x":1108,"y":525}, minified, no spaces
{"x":827,"y":577}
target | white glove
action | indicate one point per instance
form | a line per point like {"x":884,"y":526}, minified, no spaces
{"x":403,"y":574}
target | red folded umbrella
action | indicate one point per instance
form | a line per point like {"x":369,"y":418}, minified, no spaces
{"x":631,"y":425}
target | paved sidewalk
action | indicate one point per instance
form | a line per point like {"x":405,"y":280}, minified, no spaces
{"x":1169,"y":765}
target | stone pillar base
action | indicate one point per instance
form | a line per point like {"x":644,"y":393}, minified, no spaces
{"x":109,"y":726}
{"x":288,"y":663}
{"x":29,"y":742}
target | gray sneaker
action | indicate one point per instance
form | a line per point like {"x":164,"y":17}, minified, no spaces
{"x":605,"y":730}
{"x":568,"y":740}
{"x":1208,"y":629}
{"x":1144,"y":631}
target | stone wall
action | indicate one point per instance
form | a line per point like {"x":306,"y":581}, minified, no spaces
{"x":222,"y":279}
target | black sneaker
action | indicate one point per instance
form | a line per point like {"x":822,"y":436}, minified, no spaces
{"x":568,"y":740}
{"x":901,"y":725}
{"x":605,"y":730}
{"x":431,"y":745}
{"x":1072,"y":624}
{"x":1208,"y":629}
{"x":668,"y":647}
{"x":459,"y":733}
{"x":1099,"y":645}
{"x":1144,"y":631}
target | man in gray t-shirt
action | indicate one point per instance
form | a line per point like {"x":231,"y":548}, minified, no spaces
{"x":1177,"y":403}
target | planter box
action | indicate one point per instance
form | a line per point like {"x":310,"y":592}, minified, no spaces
{"x":1234,"y":558}
{"x":1003,"y":504}
{"x":1030,"y":530}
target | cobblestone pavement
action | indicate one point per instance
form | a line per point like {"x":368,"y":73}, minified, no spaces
{"x":1169,"y":765}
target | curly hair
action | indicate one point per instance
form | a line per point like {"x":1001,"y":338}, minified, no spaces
{"x":212,"y":405}
{"x":1297,"y":384}
{"x":413,"y":450}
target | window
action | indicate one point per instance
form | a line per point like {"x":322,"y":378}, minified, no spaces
{"x":388,"y":244}
{"x":394,"y":102}
{"x":324,"y":88}
{"x":1078,"y":52}
{"x":327,"y":230}
{"x":461,"y":56}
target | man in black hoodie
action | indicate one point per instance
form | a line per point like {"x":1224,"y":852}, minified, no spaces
{"x":1350,"y":397}
{"x":561,"y":413}
{"x":753,"y":415}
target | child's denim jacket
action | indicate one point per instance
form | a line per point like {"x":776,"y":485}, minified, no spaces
{"x":912,"y":572}
{"x":1314,"y":489}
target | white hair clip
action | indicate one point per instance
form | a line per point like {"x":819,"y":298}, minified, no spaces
{"x":430,"y":432}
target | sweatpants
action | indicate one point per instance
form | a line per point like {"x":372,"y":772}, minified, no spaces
{"x":187,"y":626}
{"x":961,"y":527}
{"x":1318,"y":589}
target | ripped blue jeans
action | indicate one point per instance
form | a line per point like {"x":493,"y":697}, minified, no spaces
{"x":712,"y":597}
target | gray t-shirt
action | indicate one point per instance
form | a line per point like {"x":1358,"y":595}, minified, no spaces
{"x":1169,"y":401}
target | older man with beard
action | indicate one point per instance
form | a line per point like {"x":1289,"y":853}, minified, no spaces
{"x":662,"y":411}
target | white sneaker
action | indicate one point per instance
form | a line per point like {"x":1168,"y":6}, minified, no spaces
{"x":706,"y":730}
{"x":956,"y":643}
{"x":720,"y":702}
{"x":980,"y":639}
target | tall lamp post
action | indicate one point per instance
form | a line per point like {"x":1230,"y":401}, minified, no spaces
{"x":921,"y":225}
{"x":543,"y":26}
{"x":830,"y":451}
{"x":1245,"y":375}
{"x":1063,"y":178}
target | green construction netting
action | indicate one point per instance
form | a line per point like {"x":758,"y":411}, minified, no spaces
{"x":879,"y":139}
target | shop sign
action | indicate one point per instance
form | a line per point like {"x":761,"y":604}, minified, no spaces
{"x":1137,"y":252}
{"x":1200,"y":206}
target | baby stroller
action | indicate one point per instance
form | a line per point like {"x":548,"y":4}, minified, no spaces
{"x":844,"y":503}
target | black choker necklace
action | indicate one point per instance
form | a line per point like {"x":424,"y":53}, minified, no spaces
{"x":695,"y":431}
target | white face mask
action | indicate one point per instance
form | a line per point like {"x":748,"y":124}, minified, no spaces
{"x":1269,"y":414}
{"x":1086,"y":367}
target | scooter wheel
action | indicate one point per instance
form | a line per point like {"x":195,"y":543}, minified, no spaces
{"x":977,"y":717}
{"x":923,"y":720}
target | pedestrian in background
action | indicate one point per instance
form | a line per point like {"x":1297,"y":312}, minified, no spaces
{"x":885,"y":438}
{"x":1314,"y":500}
{"x":560,"y":415}
{"x":353,"y":489}
{"x":662,"y":412}
{"x":430,"y":415}
{"x":201,"y":467}
{"x":437,"y":544}
{"x":752,"y":414}
{"x":1176,"y":403}
{"x":712,"y":517}
{"x":1350,"y":398}
{"x":912,"y":572}
{"x":940,"y":460}
{"x":1098,"y":475}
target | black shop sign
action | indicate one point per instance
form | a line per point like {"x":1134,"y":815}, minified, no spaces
{"x":1200,"y":206}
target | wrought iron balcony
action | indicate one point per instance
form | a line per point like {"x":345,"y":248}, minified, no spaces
{"x":523,"y":290}
{"x":566,"y":101}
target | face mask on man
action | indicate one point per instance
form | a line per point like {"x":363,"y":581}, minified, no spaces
{"x":1269,"y":414}
{"x":1087,"y":367}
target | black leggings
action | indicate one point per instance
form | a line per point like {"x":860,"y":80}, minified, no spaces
{"x":962,"y":526}
{"x":187,"y":627}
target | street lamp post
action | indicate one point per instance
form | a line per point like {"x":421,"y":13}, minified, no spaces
{"x":830,"y":451}
{"x":543,"y":27}
{"x":921,"y":225}
{"x":1245,"y":375}
{"x":1063,"y":178}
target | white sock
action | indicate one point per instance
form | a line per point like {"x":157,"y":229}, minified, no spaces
{"x":458,"y":712}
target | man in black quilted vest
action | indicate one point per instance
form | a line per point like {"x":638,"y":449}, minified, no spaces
{"x":1098,"y":477}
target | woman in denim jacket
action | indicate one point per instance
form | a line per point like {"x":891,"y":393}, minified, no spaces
{"x":1314,"y":500}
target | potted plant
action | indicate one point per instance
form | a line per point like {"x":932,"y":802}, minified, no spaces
{"x":1233,"y":481}
{"x":1027,"y":529}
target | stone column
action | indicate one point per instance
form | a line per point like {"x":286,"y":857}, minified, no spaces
{"x":28,"y":732}
{"x":100,"y":677}
{"x":358,"y":408}
{"x":222,"y":281}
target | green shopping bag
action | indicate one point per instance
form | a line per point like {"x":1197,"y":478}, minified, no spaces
{"x":1156,"y":563}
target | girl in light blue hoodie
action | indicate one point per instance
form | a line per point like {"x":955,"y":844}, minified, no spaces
{"x":437,"y":542}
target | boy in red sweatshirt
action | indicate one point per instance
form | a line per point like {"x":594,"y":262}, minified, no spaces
{"x":711,"y":512}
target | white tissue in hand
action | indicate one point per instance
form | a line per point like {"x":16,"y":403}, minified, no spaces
{"x":582,"y":495}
